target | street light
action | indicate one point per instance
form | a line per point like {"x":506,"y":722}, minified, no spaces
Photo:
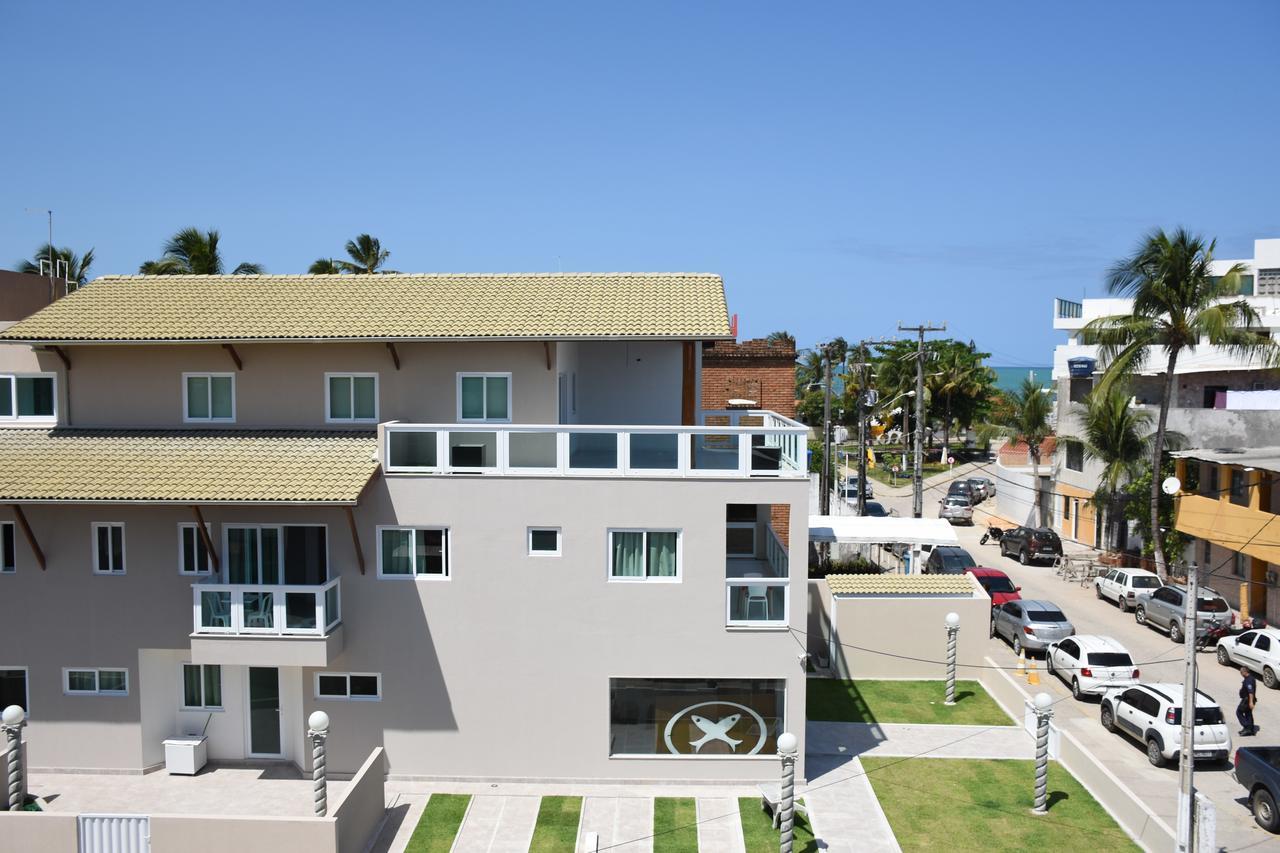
{"x":1172,"y":486}
{"x":953,"y":627}
{"x":787,"y":751}
{"x":318,"y":729}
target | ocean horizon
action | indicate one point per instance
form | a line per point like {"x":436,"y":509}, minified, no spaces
{"x":1010,"y":378}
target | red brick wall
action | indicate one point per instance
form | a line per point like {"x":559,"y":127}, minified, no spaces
{"x":751,"y":370}
{"x":780,"y":521}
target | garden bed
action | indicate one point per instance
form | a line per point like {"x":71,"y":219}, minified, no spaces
{"x":891,"y":701}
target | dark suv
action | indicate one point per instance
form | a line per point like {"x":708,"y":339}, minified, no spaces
{"x":948,"y":560}
{"x":1029,"y":544}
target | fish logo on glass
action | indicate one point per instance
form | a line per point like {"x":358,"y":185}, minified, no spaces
{"x":715,"y":728}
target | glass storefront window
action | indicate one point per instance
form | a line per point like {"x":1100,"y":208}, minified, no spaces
{"x":695,"y":716}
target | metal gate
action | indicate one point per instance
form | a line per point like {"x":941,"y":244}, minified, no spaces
{"x":115,"y":833}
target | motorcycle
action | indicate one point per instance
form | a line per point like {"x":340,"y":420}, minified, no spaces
{"x":993,"y":532}
{"x":1208,"y":635}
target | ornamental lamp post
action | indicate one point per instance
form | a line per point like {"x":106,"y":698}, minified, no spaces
{"x":318,"y":731}
{"x":787,"y":751}
{"x":12,"y":720}
{"x":1044,"y":712}
{"x":953,"y":628}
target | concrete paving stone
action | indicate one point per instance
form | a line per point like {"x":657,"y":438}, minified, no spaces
{"x":843,"y":809}
{"x":633,"y":825}
{"x":719,"y":826}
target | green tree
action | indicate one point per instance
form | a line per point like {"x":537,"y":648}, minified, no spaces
{"x":77,"y":265}
{"x":1027,"y":419}
{"x":1177,"y":302}
{"x":194,"y":252}
{"x":1135,"y":494}
{"x":781,"y":338}
{"x":366,"y":254}
{"x":960,"y":385}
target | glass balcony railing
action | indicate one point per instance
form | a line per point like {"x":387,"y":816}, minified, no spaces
{"x":257,"y":609}
{"x":757,"y":590}
{"x":746,"y":443}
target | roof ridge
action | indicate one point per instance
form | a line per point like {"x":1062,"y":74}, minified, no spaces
{"x":401,"y":275}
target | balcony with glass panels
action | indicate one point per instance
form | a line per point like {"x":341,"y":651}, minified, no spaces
{"x":756,"y":575}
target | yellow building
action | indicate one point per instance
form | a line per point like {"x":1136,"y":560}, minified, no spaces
{"x":1229,"y":503}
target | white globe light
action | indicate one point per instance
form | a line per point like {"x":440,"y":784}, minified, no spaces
{"x":953,"y":620}
{"x":1171,"y":486}
{"x":787,"y":743}
{"x":13,"y":715}
{"x":318,"y":721}
{"x":1043,"y":701}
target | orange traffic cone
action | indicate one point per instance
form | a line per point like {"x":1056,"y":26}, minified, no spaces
{"x":1033,"y":678}
{"x":1022,"y":664}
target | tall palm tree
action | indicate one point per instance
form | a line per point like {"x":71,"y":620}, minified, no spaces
{"x":367,"y":256}
{"x":194,"y":252}
{"x":1026,"y":418}
{"x":1117,"y":435}
{"x":77,"y":265}
{"x":1177,"y":302}
{"x":782,"y":338}
{"x":958,"y":380}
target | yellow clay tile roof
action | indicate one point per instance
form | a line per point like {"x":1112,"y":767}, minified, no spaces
{"x":185,"y":466}
{"x":384,"y":307}
{"x":900,"y":584}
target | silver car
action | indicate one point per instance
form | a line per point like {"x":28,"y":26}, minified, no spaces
{"x":1030,"y":624}
{"x":1163,"y":608}
{"x":956,"y":509}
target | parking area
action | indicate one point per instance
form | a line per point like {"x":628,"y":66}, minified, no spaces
{"x":1158,"y":658}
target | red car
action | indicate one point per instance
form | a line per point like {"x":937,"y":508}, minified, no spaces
{"x":997,"y":585}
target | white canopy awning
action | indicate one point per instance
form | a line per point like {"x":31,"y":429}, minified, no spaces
{"x":870,"y":530}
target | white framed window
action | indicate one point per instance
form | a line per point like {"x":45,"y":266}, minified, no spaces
{"x":108,"y":547}
{"x":740,"y":539}
{"x":201,"y":687}
{"x":28,"y":396}
{"x":413,"y":553}
{"x":13,"y":688}
{"x":193,"y":554}
{"x":91,"y":681}
{"x":350,"y":398}
{"x":8,"y":549}
{"x":644,"y":555}
{"x":484,"y":397}
{"x":543,"y":541}
{"x":208,"y":397}
{"x":267,"y":554}
{"x":353,"y":686}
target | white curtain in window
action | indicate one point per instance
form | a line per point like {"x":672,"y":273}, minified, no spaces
{"x":628,"y":555}
{"x":662,"y":555}
{"x":397,"y":552}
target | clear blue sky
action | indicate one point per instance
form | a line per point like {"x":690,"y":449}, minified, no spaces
{"x":843,"y":165}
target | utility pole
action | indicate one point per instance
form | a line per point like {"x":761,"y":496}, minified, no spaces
{"x":824,"y":501}
{"x":1186,"y":756}
{"x":917,"y":475}
{"x":864,"y":399}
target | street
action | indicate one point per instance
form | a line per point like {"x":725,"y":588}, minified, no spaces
{"x":1157,"y":657}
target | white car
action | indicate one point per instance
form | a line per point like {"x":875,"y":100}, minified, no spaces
{"x":1123,"y":586}
{"x":1152,"y":715}
{"x":1091,"y":664}
{"x":1259,"y":650}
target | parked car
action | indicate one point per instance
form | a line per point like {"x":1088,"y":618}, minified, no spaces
{"x":963,"y":489}
{"x":985,"y":487}
{"x":851,"y":489}
{"x":1152,"y":715}
{"x":1163,"y":608}
{"x":948,"y":560}
{"x":1030,"y":624}
{"x":875,"y":509}
{"x":1091,"y":665}
{"x":1124,"y":585}
{"x":1257,"y":768}
{"x":1258,"y":650}
{"x":997,"y":585}
{"x":956,"y":509}
{"x":1029,"y":544}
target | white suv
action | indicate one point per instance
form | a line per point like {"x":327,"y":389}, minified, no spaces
{"x":1259,"y":650}
{"x":1092,"y":665}
{"x":1124,"y":585}
{"x":1152,"y":715}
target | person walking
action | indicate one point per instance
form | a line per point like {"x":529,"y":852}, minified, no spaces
{"x":1248,"y":699}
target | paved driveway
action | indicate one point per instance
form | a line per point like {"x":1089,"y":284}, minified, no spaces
{"x":1159,"y":660}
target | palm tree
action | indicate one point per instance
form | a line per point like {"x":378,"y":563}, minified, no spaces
{"x":367,"y":256}
{"x":1027,"y":419}
{"x":77,"y":265}
{"x":1117,"y":435}
{"x":782,"y":338}
{"x":1177,"y":302}
{"x":959,"y":381}
{"x":194,"y":252}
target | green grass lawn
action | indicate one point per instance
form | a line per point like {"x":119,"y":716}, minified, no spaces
{"x":977,"y":804}
{"x":874,"y":701}
{"x":884,"y":474}
{"x":675,"y":825}
{"x":761,"y":837}
{"x":557,"y":826}
{"x":439,"y":823}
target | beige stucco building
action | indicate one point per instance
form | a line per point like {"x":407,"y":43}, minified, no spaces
{"x":478,"y":520}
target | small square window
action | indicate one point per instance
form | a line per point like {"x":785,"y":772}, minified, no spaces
{"x":201,"y":686}
{"x":351,"y":397}
{"x":108,"y":548}
{"x":193,"y":555}
{"x":28,"y":397}
{"x":544,"y":541}
{"x":409,"y":552}
{"x":331,"y":685}
{"x":484,"y":397}
{"x":209,"y":396}
{"x":356,"y":686}
{"x":365,"y":686}
{"x":100,"y":682}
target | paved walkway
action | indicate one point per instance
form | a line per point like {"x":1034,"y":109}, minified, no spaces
{"x":498,"y":825}
{"x":624,"y":824}
{"x":843,"y":808}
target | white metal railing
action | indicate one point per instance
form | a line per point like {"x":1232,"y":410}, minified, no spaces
{"x":776,"y":553}
{"x":266,"y":609}
{"x":1065,"y":309}
{"x":750,"y":443}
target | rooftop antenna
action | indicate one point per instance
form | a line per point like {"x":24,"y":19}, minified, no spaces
{"x":51,"y":266}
